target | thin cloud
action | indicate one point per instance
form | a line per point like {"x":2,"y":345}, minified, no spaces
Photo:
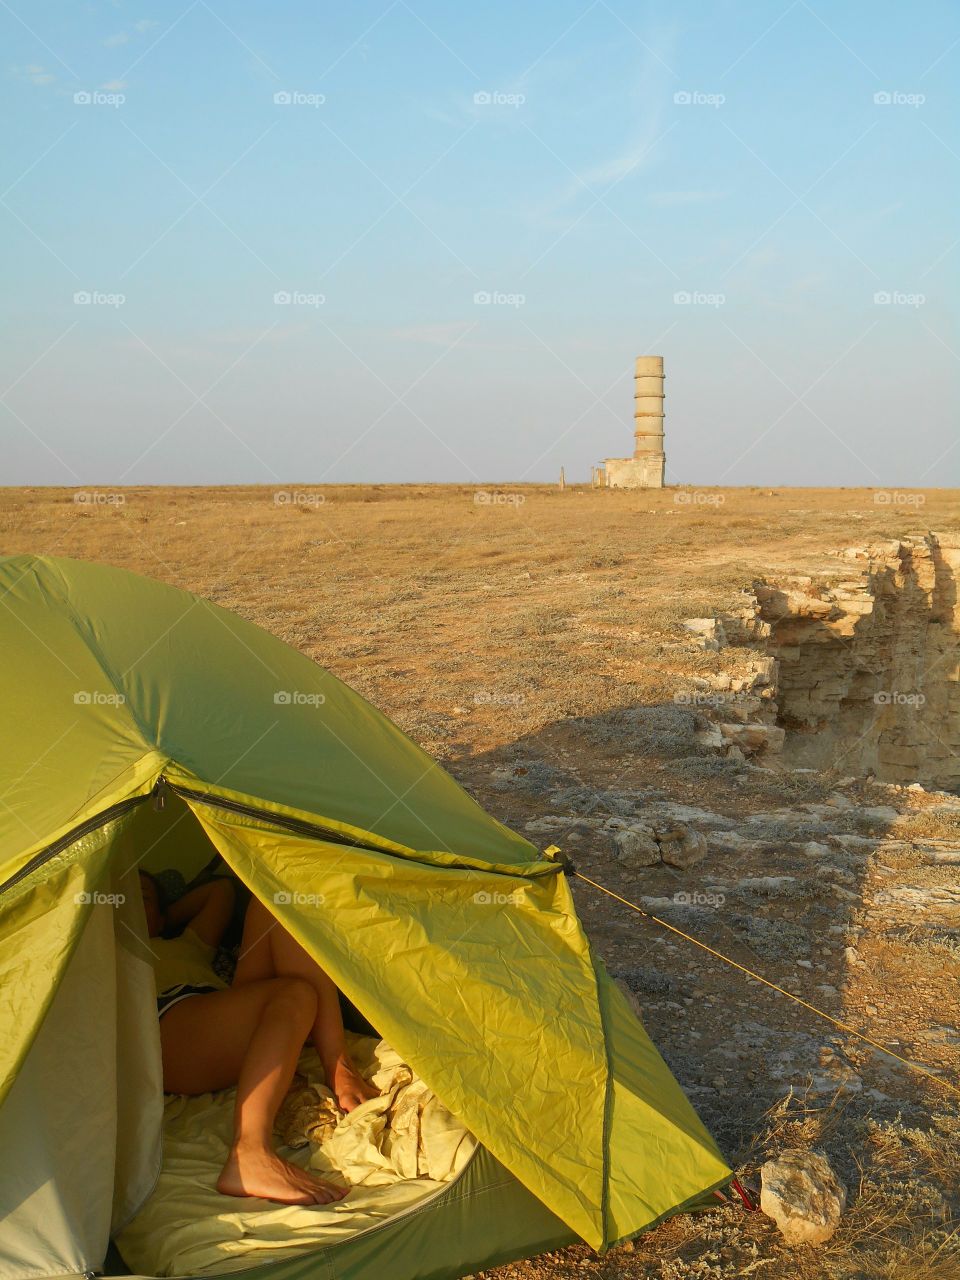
{"x":649,"y":98}
{"x":114,"y":42}
{"x":34,"y":73}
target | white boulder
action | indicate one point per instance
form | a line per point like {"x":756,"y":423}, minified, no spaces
{"x":636,"y":847}
{"x":682,"y":846}
{"x":803,"y":1195}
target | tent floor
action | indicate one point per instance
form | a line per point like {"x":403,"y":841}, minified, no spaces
{"x":393,"y":1153}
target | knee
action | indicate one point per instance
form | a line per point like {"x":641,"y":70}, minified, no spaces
{"x":297,"y":995}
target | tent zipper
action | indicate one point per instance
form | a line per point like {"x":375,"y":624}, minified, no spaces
{"x":161,"y":789}
{"x":296,"y":825}
{"x":58,"y":846}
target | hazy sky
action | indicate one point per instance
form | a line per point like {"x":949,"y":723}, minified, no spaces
{"x":579,"y":164}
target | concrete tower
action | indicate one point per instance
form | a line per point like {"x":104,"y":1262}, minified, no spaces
{"x":645,"y":469}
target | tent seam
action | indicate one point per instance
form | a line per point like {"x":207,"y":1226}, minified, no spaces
{"x":607,"y":1109}
{"x":420,"y":856}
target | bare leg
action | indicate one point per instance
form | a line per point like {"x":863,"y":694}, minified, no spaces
{"x":249,"y":1036}
{"x":268,"y":951}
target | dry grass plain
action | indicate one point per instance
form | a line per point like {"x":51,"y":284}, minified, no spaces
{"x":531,"y":639}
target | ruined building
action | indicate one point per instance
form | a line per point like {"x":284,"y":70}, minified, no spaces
{"x":645,"y":469}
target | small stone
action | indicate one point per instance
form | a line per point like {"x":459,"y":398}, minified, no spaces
{"x":803,"y":1196}
{"x":752,"y":738}
{"x":710,"y":738}
{"x":814,"y":849}
{"x":682,"y":846}
{"x":636,"y":847}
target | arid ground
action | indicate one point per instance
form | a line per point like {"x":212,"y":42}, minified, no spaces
{"x":533,"y":640}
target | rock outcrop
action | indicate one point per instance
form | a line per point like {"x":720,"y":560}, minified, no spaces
{"x":858,"y":670}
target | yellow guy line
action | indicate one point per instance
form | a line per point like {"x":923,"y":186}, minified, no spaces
{"x":844,"y":1026}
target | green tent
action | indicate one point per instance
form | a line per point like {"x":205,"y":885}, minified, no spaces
{"x":144,"y":723}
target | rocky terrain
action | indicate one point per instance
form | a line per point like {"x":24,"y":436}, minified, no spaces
{"x":740,"y":715}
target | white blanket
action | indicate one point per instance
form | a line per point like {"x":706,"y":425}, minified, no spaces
{"x":392,"y":1151}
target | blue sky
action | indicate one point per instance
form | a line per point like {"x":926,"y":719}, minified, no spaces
{"x":581,"y":164}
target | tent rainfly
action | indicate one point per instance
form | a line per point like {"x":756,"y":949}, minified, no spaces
{"x":453,"y":935}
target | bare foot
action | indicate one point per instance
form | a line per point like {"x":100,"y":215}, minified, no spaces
{"x":349,"y":1086}
{"x":258,"y":1171}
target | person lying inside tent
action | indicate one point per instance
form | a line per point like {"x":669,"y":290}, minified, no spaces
{"x":250,"y":1033}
